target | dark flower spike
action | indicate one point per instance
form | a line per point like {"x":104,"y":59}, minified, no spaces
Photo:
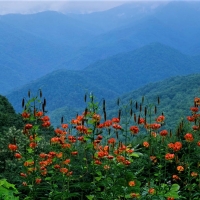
{"x":117,"y":136}
{"x":85,"y":97}
{"x":104,"y":105}
{"x":143,"y":99}
{"x":118,"y":101}
{"x":158,"y":100}
{"x":40,"y":93}
{"x":62,"y":119}
{"x":23,"y":103}
{"x":43,"y":107}
{"x":139,"y":119}
{"x":86,"y":111}
{"x":135,"y":119}
{"x":136,"y":105}
{"x":131,"y":112}
{"x":44,"y":102}
{"x":91,"y":97}
{"x":34,"y":110}
{"x":145,"y":111}
{"x":29,"y":93}
{"x":104,"y":113}
{"x":119,"y":114}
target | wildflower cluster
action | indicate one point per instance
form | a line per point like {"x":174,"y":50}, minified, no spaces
{"x":125,"y":157}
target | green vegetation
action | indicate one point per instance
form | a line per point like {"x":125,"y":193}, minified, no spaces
{"x":8,"y":117}
{"x":176,"y":95}
{"x":149,"y":64}
{"x":95,"y":157}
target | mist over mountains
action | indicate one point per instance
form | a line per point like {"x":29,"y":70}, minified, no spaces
{"x":109,"y":53}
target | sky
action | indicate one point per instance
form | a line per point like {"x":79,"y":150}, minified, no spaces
{"x":81,"y":6}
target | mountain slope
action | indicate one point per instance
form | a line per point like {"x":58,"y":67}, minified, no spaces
{"x":151,"y":63}
{"x":25,"y":56}
{"x":34,"y":45}
{"x":63,"y":87}
{"x":111,"y":77}
{"x":119,"y":16}
{"x":169,"y":24}
{"x":54,"y":27}
{"x":176,"y":97}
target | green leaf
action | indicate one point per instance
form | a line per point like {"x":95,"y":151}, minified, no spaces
{"x":36,"y":127}
{"x":175,"y":187}
{"x":156,"y":174}
{"x":172,"y":194}
{"x":38,"y":139}
{"x":99,"y":173}
{"x":134,"y":154}
{"x":98,"y":178}
{"x":30,"y":150}
{"x":2,"y":182}
{"x":91,"y":121}
{"x":90,"y":197}
{"x":127,"y":196}
{"x":7,"y":190}
{"x":47,"y":178}
{"x":89,"y":131}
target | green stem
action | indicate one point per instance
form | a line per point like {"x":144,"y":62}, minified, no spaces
{"x":189,"y":177}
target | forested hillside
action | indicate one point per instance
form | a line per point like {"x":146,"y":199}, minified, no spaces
{"x":110,"y":77}
{"x":8,"y":117}
{"x":176,"y":95}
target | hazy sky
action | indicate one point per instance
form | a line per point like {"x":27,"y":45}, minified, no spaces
{"x":81,"y":6}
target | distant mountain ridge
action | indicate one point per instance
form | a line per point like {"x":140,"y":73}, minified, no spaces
{"x":32,"y":46}
{"x":111,"y":77}
{"x":176,"y":97}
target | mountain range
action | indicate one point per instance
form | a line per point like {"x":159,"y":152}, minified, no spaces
{"x":110,"y":77}
{"x":34,"y":45}
{"x":108,"y":53}
{"x":176,"y":96}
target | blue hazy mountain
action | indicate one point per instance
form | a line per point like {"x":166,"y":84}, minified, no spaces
{"x":37,"y":44}
{"x":110,"y":77}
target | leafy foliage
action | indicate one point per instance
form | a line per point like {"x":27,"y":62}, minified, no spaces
{"x":95,"y":157}
{"x":7,"y":190}
{"x":8,"y":117}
